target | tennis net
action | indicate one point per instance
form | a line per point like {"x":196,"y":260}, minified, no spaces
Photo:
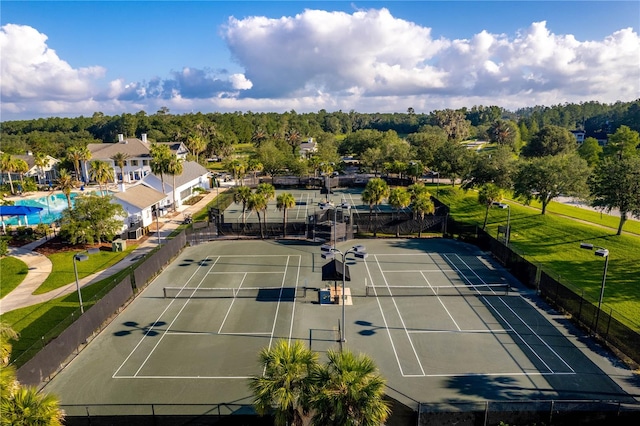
{"x":449,"y":290}
{"x":258,"y":293}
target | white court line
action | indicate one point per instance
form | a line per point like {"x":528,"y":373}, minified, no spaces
{"x":239,"y":272}
{"x":209,"y":333}
{"x":172,"y":322}
{"x":275,"y":318}
{"x":384,"y":319}
{"x":293,"y":311}
{"x":442,"y":303}
{"x":231,"y":305}
{"x":161,"y":314}
{"x":504,"y":319}
{"x":408,"y":375}
{"x":418,"y":270}
{"x":393,"y":299}
{"x":463,"y":331}
{"x":184,"y":377}
{"x":523,"y":321}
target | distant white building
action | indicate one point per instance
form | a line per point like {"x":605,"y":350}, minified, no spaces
{"x":193,"y":176}
{"x":138,"y":165}
{"x":308,"y":148}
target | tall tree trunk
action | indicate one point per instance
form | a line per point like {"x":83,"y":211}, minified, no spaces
{"x":623,"y":219}
{"x":284,"y":224}
{"x":10,"y":182}
{"x":260,"y":223}
{"x":486,"y":217}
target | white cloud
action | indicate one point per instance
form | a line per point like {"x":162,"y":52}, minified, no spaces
{"x":368,"y":61}
{"x":32,"y":71}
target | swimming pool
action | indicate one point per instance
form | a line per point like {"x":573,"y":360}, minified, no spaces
{"x":52,"y":206}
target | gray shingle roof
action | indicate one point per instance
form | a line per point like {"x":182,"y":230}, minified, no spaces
{"x":140,"y":196}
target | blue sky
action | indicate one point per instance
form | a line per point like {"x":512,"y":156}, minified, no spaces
{"x":75,"y":58}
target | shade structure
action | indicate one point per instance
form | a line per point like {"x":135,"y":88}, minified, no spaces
{"x":332,"y":271}
{"x":19,"y":210}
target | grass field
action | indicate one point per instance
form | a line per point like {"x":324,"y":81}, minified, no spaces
{"x":12,"y":272}
{"x":553,"y":242}
{"x":63,"y":272}
{"x":38,"y":324}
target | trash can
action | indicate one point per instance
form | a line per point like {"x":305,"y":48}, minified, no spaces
{"x":324,"y":297}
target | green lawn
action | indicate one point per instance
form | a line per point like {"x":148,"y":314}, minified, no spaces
{"x":12,"y":273}
{"x":553,"y":242}
{"x":63,"y":272}
{"x":38,"y":324}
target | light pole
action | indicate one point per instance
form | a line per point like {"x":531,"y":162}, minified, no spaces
{"x":601,"y":252}
{"x":81,"y":257}
{"x":330,"y":253}
{"x":508,"y":233}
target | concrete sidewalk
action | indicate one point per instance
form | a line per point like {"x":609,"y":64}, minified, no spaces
{"x":39,"y":266}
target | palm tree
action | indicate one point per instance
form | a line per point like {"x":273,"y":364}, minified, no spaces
{"x":8,"y":165}
{"x":257,"y":203}
{"x":285,"y":201}
{"x":373,"y":194}
{"x":65,"y":184}
{"x":399,"y":198}
{"x":160,"y":155}
{"x":6,"y":335}
{"x":258,"y":137}
{"x":196,"y":144}
{"x":174,"y":168}
{"x":352,"y":391}
{"x":287,"y":382}
{"x":28,"y":407}
{"x":488,"y":194}
{"x":21,"y":167}
{"x":41,"y":161}
{"x":422,"y":205}
{"x":238,"y":170}
{"x":254,"y":166}
{"x":18,"y":405}
{"x":120,"y":160}
{"x":242,"y":195}
{"x":269,"y":193}
{"x":101,"y":172}
{"x":78,"y":154}
{"x":414,"y":191}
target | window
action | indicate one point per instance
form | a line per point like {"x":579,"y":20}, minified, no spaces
{"x":145,"y":162}
{"x":134,"y":162}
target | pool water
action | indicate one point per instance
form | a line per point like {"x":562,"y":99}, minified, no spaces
{"x":52,"y":206}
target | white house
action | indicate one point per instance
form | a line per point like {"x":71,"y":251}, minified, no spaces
{"x":47,"y":175}
{"x":138,"y":165}
{"x":140,"y":202}
{"x":193,"y":176}
{"x":308,"y":148}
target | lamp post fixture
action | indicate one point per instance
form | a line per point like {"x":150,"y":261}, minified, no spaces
{"x":81,"y":257}
{"x":600,"y":252}
{"x":329,"y":252}
{"x":508,"y":233}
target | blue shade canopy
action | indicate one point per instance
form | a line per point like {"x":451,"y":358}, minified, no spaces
{"x":19,"y":210}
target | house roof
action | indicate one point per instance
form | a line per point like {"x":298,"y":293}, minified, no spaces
{"x":190,"y":172}
{"x":133,"y":147}
{"x":140,"y":196}
{"x":31,"y":160}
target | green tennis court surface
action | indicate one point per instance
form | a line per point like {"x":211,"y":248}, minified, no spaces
{"x":442,"y":321}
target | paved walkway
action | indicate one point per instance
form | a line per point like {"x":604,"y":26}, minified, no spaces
{"x":39,"y":266}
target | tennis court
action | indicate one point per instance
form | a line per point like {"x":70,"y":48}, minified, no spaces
{"x":441,"y":320}
{"x":307,"y":203}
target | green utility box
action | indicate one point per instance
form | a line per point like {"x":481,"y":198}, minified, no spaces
{"x":118,"y":245}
